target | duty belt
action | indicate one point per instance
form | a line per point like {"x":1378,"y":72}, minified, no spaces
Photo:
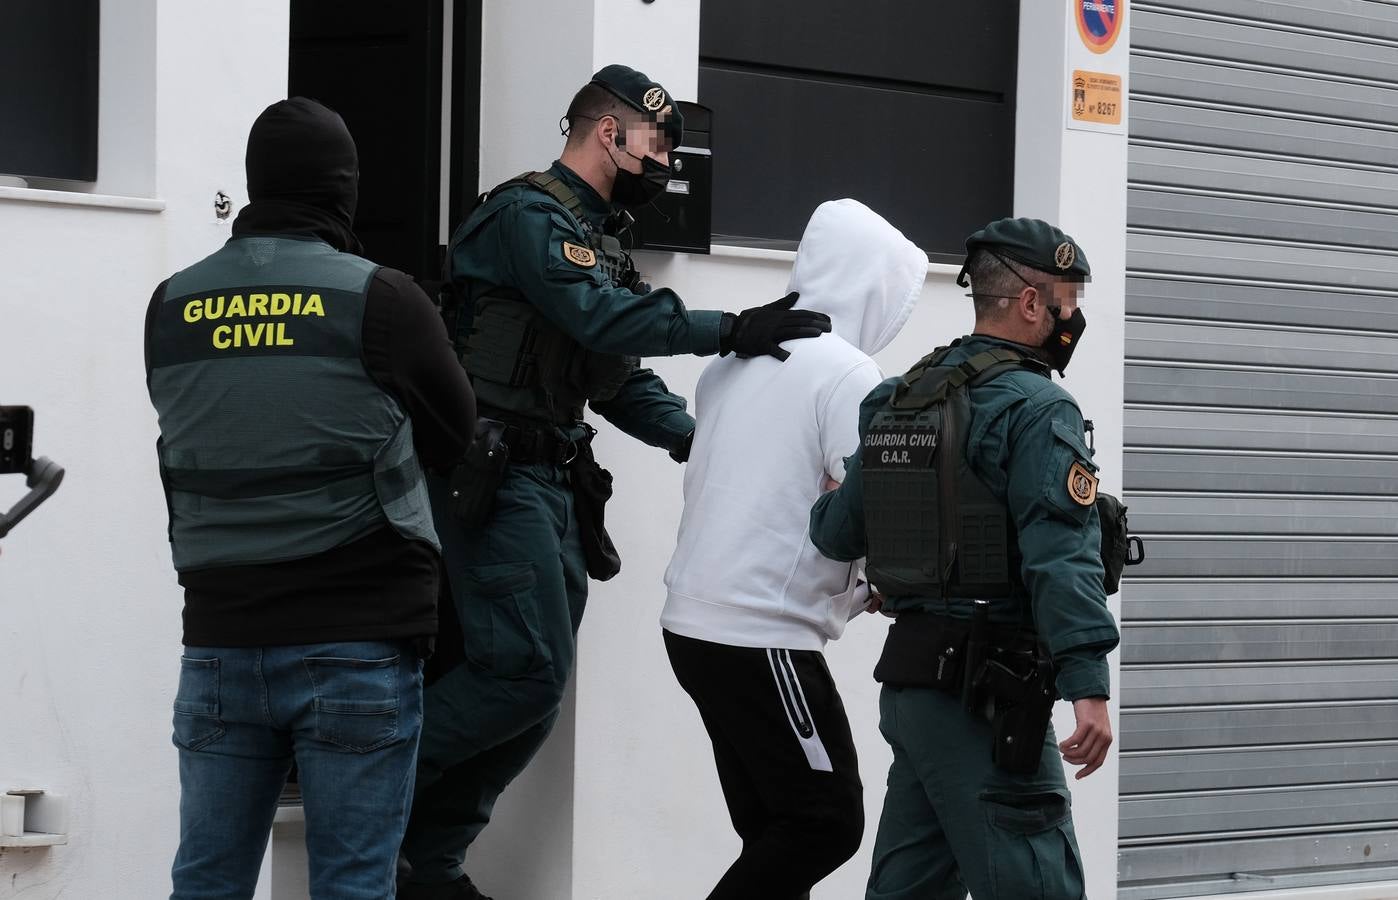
{"x":534,"y":444}
{"x":1001,"y":637}
{"x":999,"y":673}
{"x":928,"y":650}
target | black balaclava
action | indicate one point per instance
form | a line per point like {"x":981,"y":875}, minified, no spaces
{"x":303,"y":174}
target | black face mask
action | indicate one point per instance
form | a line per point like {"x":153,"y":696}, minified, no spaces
{"x":631,"y":189}
{"x":1063,"y":339}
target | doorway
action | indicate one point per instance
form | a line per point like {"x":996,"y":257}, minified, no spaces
{"x":380,"y":66}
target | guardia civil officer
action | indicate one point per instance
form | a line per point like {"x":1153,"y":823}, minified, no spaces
{"x":972,"y":496}
{"x":552,"y":319}
{"x":300,"y":389}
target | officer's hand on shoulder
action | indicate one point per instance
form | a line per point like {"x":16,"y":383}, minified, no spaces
{"x":760,"y":331}
{"x":1087,"y":746}
{"x":681,"y":453}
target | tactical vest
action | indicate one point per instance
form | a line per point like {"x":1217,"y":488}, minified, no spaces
{"x":934,"y":528}
{"x":519,"y":361}
{"x":275,"y":442}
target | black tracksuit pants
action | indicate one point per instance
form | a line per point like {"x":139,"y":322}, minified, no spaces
{"x":785,"y":758}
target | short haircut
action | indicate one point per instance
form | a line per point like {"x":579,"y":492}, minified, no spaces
{"x":591,"y":104}
{"x":993,"y":278}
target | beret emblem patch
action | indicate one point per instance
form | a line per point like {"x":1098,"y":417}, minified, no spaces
{"x":1065,"y":256}
{"x":653,"y":99}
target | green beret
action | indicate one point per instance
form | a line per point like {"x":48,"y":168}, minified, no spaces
{"x":645,"y":96}
{"x":1034,"y":243}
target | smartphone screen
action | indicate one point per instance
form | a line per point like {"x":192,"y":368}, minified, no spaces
{"x":16,"y":438}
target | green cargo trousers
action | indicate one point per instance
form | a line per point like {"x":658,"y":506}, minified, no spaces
{"x":519,"y":585}
{"x":954,"y":822}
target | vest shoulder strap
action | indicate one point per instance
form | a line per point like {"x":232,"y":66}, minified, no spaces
{"x":930,"y":361}
{"x":931,"y":381}
{"x":549,"y":184}
{"x":552,"y":185}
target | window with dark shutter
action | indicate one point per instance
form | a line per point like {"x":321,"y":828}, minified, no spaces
{"x":48,"y":89}
{"x":908,"y":107}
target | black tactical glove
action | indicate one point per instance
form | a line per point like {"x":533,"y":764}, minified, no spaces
{"x":761,"y":330}
{"x":681,"y":453}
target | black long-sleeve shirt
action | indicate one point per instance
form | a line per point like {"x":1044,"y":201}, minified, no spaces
{"x":381,"y":586}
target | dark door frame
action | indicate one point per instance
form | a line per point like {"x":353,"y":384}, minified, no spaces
{"x":465,"y":165}
{"x":403,"y":213}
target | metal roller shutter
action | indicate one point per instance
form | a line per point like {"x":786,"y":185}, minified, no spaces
{"x":1259,"y":730}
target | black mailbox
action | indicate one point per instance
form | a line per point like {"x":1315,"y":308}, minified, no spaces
{"x":681,"y":218}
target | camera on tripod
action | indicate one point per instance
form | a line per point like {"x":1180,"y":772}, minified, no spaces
{"x":42,"y":475}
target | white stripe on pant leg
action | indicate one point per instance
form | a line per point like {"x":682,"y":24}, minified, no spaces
{"x":790,"y":687}
{"x":815,"y":752}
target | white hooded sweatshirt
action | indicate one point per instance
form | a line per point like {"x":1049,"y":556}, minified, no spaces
{"x":744,"y":571}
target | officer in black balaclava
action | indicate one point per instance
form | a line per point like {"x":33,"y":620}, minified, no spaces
{"x":301,"y":390}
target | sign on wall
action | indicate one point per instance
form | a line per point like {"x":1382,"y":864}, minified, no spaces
{"x":1096,"y":97}
{"x":1097,"y":66}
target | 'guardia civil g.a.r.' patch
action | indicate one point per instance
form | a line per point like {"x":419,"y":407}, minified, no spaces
{"x":900,"y":446}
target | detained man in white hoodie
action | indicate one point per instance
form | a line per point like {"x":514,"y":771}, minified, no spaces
{"x":751,"y":602}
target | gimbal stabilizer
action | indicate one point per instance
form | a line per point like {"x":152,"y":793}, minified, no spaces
{"x":42,"y":476}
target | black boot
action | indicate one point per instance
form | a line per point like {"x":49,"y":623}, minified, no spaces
{"x":460,"y":889}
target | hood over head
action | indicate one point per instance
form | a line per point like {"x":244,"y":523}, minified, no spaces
{"x":861,"y":271}
{"x":303,"y":173}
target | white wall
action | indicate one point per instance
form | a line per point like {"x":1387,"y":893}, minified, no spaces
{"x":623,"y":802}
{"x":89,"y":608}
{"x":534,"y":55}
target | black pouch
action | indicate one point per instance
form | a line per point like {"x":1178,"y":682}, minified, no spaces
{"x":923,"y":650}
{"x":1119,"y":548}
{"x":479,"y":474}
{"x":592,"y":488}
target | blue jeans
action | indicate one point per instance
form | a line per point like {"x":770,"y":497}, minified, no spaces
{"x":349,"y":714}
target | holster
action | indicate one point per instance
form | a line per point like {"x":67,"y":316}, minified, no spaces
{"x":1024,"y":698}
{"x":1010,"y":674}
{"x":476,"y":478}
{"x":592,"y":488}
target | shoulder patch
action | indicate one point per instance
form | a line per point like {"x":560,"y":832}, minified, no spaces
{"x":1082,"y":485}
{"x":579,"y":256}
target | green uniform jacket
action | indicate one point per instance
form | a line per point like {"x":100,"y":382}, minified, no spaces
{"x":516,"y":239}
{"x":1024,"y":435}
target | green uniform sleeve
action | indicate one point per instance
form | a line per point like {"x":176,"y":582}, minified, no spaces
{"x":837,"y":519}
{"x":1060,"y":541}
{"x":645,"y":409}
{"x":582,"y":301}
